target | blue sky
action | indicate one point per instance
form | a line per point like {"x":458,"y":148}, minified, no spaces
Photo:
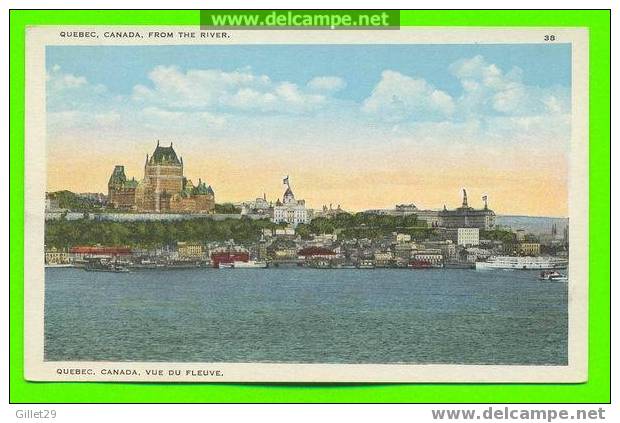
{"x":120,"y":68}
{"x":381,"y":118}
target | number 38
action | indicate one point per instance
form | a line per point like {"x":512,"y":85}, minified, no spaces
{"x":549,"y":37}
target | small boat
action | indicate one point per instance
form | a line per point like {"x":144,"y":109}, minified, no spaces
{"x":107,"y":268}
{"x":366,"y":264}
{"x":552,"y":276}
{"x":225,"y":265}
{"x":250,"y":264}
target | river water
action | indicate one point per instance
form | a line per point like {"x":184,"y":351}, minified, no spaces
{"x":452,"y":316}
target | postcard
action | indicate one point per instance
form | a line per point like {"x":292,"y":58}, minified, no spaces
{"x":307,"y":205}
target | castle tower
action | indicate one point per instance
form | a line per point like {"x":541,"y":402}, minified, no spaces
{"x":163,"y":172}
{"x":121,"y":191}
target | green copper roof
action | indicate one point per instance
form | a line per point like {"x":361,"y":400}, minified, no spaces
{"x":132,"y":183}
{"x":164,"y":155}
{"x":201,"y":189}
{"x":118,"y":176}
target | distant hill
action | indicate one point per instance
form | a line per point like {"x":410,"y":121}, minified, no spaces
{"x":532,"y":224}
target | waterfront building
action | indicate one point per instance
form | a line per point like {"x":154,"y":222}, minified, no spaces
{"x":402,"y":252}
{"x":467,"y":217}
{"x":290,"y":210}
{"x":474,"y":254}
{"x":56,"y":256}
{"x":383,"y":258}
{"x":188,"y":250}
{"x":468,"y":237}
{"x":81,"y":252}
{"x":529,"y":248}
{"x":446,"y":247}
{"x":312,"y":253}
{"x":163,"y":189}
{"x":432,"y":257}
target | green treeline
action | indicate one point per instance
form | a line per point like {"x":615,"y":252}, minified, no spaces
{"x":507,"y":237}
{"x":66,"y":233}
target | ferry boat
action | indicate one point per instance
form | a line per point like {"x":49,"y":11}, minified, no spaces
{"x":552,"y":276}
{"x":366,"y":264}
{"x":59,"y":265}
{"x":105,"y":267}
{"x":525,"y":263}
{"x":146,"y":265}
{"x":419,"y":264}
{"x":424,"y":264}
{"x":250,"y":264}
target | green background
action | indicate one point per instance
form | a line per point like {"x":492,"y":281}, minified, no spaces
{"x":597,"y":389}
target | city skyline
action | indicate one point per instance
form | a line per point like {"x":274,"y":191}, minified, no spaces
{"x":365,"y":130}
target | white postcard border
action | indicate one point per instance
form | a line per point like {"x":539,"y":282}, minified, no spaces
{"x":36,"y":368}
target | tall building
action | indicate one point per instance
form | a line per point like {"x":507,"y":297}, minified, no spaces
{"x":467,"y":217}
{"x":468,"y":237}
{"x":290,"y":210}
{"x":164,"y":187}
{"x":121,"y":191}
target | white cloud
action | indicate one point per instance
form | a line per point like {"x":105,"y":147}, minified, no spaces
{"x":58,"y":81}
{"x":327,"y":84}
{"x":66,"y":91}
{"x":215,"y":89}
{"x":489,"y":90}
{"x":492,"y":105}
{"x":400,"y":97}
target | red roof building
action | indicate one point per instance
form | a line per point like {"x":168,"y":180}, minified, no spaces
{"x":100,"y":251}
{"x":316,"y":252}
